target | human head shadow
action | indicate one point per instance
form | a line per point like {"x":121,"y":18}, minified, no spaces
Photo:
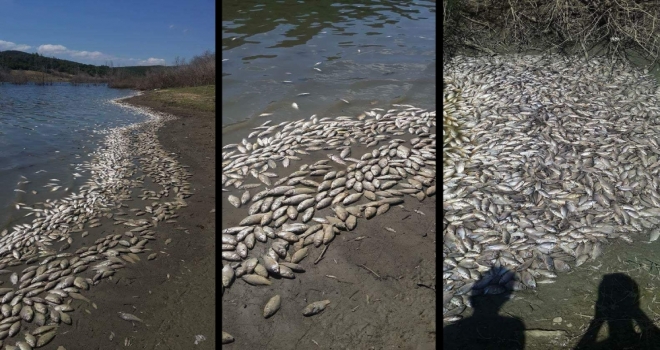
{"x":617,"y":307}
{"x":486,"y":328}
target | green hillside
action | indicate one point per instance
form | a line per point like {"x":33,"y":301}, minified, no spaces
{"x":18,"y":60}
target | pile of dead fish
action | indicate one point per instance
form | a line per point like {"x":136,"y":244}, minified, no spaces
{"x":42,"y":293}
{"x":560,"y":158}
{"x":452,"y":135}
{"x":327,"y":196}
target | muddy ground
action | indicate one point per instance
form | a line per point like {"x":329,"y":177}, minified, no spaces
{"x":605,"y":304}
{"x":391,"y":307}
{"x":175,"y":294}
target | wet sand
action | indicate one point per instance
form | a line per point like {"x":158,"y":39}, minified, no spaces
{"x":174,"y":294}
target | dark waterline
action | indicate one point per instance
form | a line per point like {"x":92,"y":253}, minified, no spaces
{"x":51,"y":128}
{"x":371,"y":54}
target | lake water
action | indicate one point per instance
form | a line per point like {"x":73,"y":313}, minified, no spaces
{"x":371,"y":54}
{"x":45,"y":133}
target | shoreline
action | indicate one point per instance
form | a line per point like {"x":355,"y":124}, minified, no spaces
{"x":175,"y":293}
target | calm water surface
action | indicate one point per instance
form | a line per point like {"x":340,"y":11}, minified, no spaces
{"x":371,"y":54}
{"x":51,"y":128}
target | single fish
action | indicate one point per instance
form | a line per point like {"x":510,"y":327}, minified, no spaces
{"x":129,"y":317}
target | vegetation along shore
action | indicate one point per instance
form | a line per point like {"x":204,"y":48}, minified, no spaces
{"x":17,"y":67}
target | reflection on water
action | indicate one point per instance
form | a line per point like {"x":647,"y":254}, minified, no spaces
{"x":370,"y":54}
{"x":45,"y":131}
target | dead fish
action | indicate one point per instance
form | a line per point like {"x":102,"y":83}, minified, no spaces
{"x":654,"y":235}
{"x":263,"y":178}
{"x":129,"y":317}
{"x":271,"y":265}
{"x":352,"y":198}
{"x":46,"y":338}
{"x":227,"y":275}
{"x":370,"y":212}
{"x":336,"y":159}
{"x":328,"y":234}
{"x":294,"y":267}
{"x":341,"y":212}
{"x":307,"y":214}
{"x":528,"y":279}
{"x":227,"y":338}
{"x":260,"y":270}
{"x":286,"y":272}
{"x":235,"y":201}
{"x":315,"y":307}
{"x":351,"y":222}
{"x":26,"y":313}
{"x":272,"y":306}
{"x":245,"y":197}
{"x":581,"y":259}
{"x":299,"y":255}
{"x":256,"y":280}
{"x":561,"y":266}
{"x":382,"y":209}
{"x":231,"y":256}
{"x":252,"y":220}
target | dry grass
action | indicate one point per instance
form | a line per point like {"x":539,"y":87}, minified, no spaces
{"x":199,"y":98}
{"x":200,"y":71}
{"x":569,"y":26}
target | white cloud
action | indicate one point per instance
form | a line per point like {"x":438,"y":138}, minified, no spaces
{"x":171,"y":26}
{"x":52,"y":49}
{"x":185,"y":30}
{"x":8,"y":45}
{"x":151,"y":62}
{"x":94,"y":55}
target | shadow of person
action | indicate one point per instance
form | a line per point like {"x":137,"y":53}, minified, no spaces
{"x":617,"y":308}
{"x":486,"y":328}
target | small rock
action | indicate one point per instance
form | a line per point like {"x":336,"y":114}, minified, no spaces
{"x":557,"y":320}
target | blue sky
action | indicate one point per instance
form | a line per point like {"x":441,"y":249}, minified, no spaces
{"x":128,"y":33}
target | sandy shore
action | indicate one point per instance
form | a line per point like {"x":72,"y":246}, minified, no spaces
{"x":175,"y":294}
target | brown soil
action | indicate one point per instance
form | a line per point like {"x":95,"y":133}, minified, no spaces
{"x":174,"y":294}
{"x":393,"y":307}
